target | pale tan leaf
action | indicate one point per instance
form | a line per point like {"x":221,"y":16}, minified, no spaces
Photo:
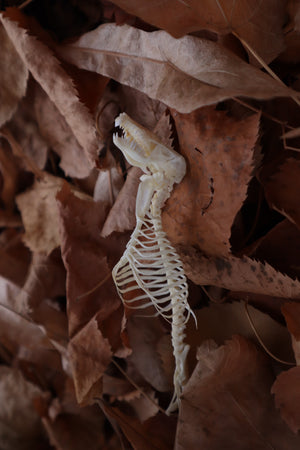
{"x":184,"y":73}
{"x":238,"y":274}
{"x":122,"y":215}
{"x":60,"y":137}
{"x":40,"y":213}
{"x":13,"y":77}
{"x":90,"y":354}
{"x":108,"y":186}
{"x":48,"y":72}
{"x":227,"y":402}
{"x":251,"y":20}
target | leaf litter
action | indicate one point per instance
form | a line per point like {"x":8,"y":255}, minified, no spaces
{"x":75,"y":368}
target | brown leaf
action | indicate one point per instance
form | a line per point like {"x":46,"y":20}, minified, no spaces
{"x":286,"y":386}
{"x":25,"y":161}
{"x":219,"y":155}
{"x":39,"y":211}
{"x":280,"y":247}
{"x":88,"y":259}
{"x":122,"y":215}
{"x":140,"y":107}
{"x":184,"y":73}
{"x":25,"y":130}
{"x":144,"y":336}
{"x":227,"y":402}
{"x":83,"y":428}
{"x":221,"y":321}
{"x":13,"y":78}
{"x":90,"y":354}
{"x":14,"y":257}
{"x":155,"y":433}
{"x":47,"y":71}
{"x":18,"y":332}
{"x":108,"y":186}
{"x":262,"y":31}
{"x":45,"y":279}
{"x":291,"y":312}
{"x":287,"y":397}
{"x":9,"y":174}
{"x":238,"y":274}
{"x":20,"y":426}
{"x":281,"y":189}
{"x":60,"y":137}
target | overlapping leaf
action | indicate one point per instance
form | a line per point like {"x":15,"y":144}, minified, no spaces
{"x":249,"y":19}
{"x":184,"y":73}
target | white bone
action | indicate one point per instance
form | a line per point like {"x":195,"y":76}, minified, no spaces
{"x":150,"y":263}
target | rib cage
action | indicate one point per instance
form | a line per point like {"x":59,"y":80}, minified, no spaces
{"x":152,"y":263}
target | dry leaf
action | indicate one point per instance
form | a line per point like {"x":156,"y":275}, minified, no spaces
{"x":184,"y":73}
{"x":281,"y":189}
{"x":14,"y":257}
{"x":143,"y":407}
{"x":80,"y":429}
{"x":238,"y":274}
{"x":219,"y":155}
{"x":140,"y":107}
{"x":280,"y":247}
{"x":287,"y":397}
{"x":9,"y":178}
{"x":60,"y":137}
{"x":20,"y":426}
{"x":291,"y":312}
{"x":252,"y":21}
{"x":90,"y":354}
{"x":286,"y":386}
{"x":220,"y":321}
{"x":88,"y":259}
{"x":16,"y":329}
{"x":13,"y":78}
{"x":122,"y":215}
{"x":25,"y":130}
{"x":39,"y":212}
{"x":227,"y":402}
{"x":48,"y":72}
{"x":144,"y":337}
{"x":108,"y":186}
{"x":147,"y":436}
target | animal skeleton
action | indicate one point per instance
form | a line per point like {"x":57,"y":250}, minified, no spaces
{"x":150,"y":271}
